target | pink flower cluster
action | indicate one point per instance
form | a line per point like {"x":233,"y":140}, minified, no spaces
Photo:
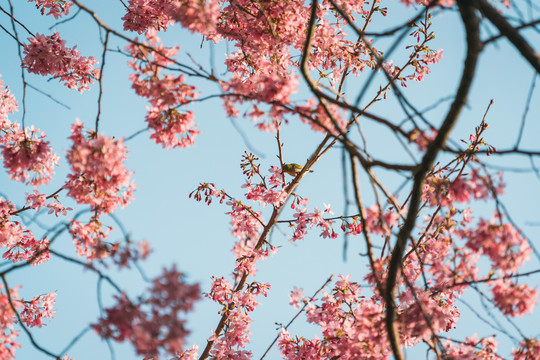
{"x":189,"y":354}
{"x":166,"y":93}
{"x":8,"y":336}
{"x":393,"y":72}
{"x":422,"y":138}
{"x":443,"y":3}
{"x":513,"y":299}
{"x":502,"y":243}
{"x":8,"y":105}
{"x":305,"y":221}
{"x":245,"y":222}
{"x":315,"y":115}
{"x":154,"y":322}
{"x":268,"y":38}
{"x":27,"y":156}
{"x":89,"y":239}
{"x":238,"y":305}
{"x":297,"y":297}
{"x":98,"y":176}
{"x":200,"y":16}
{"x":352,"y":327}
{"x":37,"y":309}
{"x":48,"y":55}
{"x":143,"y":15}
{"x":208,"y":191}
{"x":439,"y":189}
{"x":442,"y":315}
{"x":260,"y":193}
{"x":27,"y":248}
{"x":151,"y":15}
{"x":21,"y":244}
{"x":57,"y":8}
{"x":131,"y":252}
{"x":37,"y":200}
{"x":472,"y":349}
{"x":528,"y":349}
{"x":422,"y":62}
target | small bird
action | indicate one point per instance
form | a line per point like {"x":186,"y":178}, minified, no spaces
{"x":293,"y":169}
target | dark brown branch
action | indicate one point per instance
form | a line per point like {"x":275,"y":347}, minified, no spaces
{"x":15,"y":20}
{"x":361,"y":212}
{"x":100,"y":80}
{"x":19,"y":52}
{"x":474,"y":47}
{"x":510,"y":32}
{"x":526,"y":111}
{"x":523,"y":26}
{"x":88,"y":266}
{"x":48,"y":95}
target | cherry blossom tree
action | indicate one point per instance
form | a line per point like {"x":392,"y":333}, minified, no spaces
{"x":425,"y":206}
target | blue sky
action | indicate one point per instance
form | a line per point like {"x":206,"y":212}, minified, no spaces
{"x":197,"y":237}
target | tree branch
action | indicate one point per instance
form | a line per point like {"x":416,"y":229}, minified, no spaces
{"x":474,"y":47}
{"x":510,"y":32}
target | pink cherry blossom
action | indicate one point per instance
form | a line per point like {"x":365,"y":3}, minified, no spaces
{"x":528,"y":349}
{"x":472,"y":349}
{"x":8,"y":105}
{"x":129,"y":252}
{"x":513,"y":299}
{"x":8,"y":335}
{"x":189,"y":354}
{"x":90,"y":239}
{"x":37,"y":200}
{"x":48,"y":55}
{"x":98,"y":176}
{"x":154,"y":322}
{"x":195,"y":15}
{"x":171,"y":126}
{"x":57,"y":8}
{"x":296,"y":298}
{"x":28,"y":157}
{"x":146,"y":14}
{"x":37,"y":309}
{"x":19,"y":241}
{"x":502,"y":243}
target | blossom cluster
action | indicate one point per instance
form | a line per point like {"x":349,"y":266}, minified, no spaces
{"x":28,"y":157}
{"x":152,"y":15}
{"x":48,"y":55}
{"x":443,"y":3}
{"x":315,"y":114}
{"x":236,"y":307}
{"x":37,"y":200}
{"x":98,"y":176}
{"x":8,"y":105}
{"x":90,"y":239}
{"x":8,"y":334}
{"x":31,"y":314}
{"x":166,"y":93}
{"x":529,"y":349}
{"x":20,"y":242}
{"x":57,"y":8}
{"x":352,"y":327}
{"x":37,"y":309}
{"x":152,"y":323}
{"x":440,"y":189}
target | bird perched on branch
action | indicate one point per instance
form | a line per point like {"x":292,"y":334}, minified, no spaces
{"x":293,"y":169}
